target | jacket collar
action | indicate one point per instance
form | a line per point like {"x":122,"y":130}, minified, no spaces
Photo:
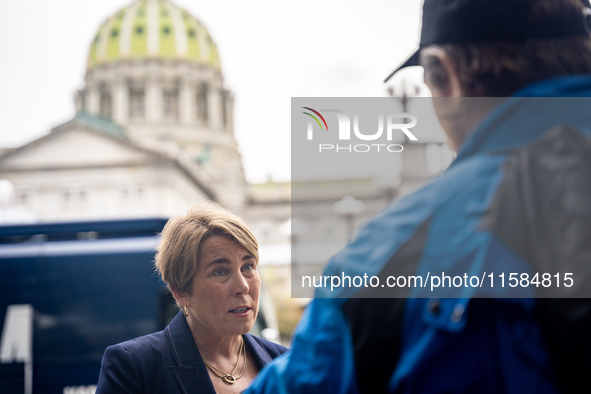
{"x":190,"y":371}
{"x":529,"y":113}
{"x":182,"y":343}
{"x":258,"y":353}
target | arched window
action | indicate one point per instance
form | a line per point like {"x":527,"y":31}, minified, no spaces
{"x":137,"y":99}
{"x":224,"y":97}
{"x":170,"y":100}
{"x":202,"y":104}
{"x":106,"y":104}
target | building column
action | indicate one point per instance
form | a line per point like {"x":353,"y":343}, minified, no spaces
{"x":230,"y":114}
{"x":121,"y":102}
{"x":153,"y":101}
{"x":93,"y":100}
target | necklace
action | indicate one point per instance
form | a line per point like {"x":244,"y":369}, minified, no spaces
{"x":229,"y":377}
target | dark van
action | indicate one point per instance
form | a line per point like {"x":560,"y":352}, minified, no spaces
{"x":69,"y":290}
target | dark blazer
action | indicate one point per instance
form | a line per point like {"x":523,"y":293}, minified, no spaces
{"x":168,"y":361}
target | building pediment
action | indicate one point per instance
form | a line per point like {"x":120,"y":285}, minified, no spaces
{"x":83,"y":145}
{"x":76,"y":145}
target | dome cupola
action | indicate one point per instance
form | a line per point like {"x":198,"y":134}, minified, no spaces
{"x":154,"y":71}
{"x":153,"y":29}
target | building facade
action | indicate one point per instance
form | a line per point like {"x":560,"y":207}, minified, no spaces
{"x":153,"y":85}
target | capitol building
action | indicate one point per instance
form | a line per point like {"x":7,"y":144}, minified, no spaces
{"x":154,"y":133}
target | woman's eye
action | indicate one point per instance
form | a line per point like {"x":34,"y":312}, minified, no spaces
{"x":219,"y":272}
{"x":248,"y":267}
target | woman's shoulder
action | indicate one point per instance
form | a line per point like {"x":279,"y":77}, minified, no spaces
{"x":136,"y":364}
{"x":271,"y":348}
{"x":141,"y":349}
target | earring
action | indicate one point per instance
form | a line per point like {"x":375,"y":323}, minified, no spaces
{"x":185,"y":310}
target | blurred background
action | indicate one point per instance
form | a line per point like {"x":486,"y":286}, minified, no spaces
{"x":119,"y":110}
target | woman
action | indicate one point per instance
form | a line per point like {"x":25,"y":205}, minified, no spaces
{"x":208,"y":259}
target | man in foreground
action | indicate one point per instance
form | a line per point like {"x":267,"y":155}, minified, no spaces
{"x":510,"y":81}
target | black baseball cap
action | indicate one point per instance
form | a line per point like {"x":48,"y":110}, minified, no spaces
{"x":464,"y":21}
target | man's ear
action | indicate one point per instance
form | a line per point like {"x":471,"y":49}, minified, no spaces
{"x":441,"y":74}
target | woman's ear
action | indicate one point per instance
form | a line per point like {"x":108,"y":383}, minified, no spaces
{"x":441,"y":75}
{"x":181,"y":297}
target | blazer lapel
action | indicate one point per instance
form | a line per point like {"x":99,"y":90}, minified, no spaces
{"x":189,"y":368}
{"x":261,"y":357}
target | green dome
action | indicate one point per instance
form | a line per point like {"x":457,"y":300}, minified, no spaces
{"x":153,"y":29}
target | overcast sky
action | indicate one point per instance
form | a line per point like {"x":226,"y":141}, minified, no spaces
{"x":270,"y":51}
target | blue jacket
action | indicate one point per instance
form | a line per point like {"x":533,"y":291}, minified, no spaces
{"x":516,"y":199}
{"x":168,"y":362}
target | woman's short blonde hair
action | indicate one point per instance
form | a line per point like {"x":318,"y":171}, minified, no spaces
{"x":177,"y":254}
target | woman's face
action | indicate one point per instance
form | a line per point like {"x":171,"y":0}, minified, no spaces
{"x":225,"y":289}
